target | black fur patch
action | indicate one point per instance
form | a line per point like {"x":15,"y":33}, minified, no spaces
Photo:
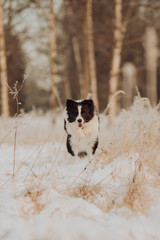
{"x":87,"y":111}
{"x":69,"y":145}
{"x":72,"y":110}
{"x":65,"y":125}
{"x":95,"y":146}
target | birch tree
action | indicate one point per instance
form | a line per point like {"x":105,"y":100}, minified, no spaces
{"x":91,"y":54}
{"x":151,"y":50}
{"x":120,"y":28}
{"x":3,"y":68}
{"x":50,"y":18}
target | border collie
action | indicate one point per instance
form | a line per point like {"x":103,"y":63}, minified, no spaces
{"x":82,"y":127}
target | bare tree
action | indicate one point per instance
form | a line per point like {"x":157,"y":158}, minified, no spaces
{"x":91,"y":54}
{"x":85,"y":50}
{"x":119,"y":34}
{"x":76,"y":47}
{"x":50,"y":18}
{"x":67,"y":86}
{"x":3,"y":68}
{"x":151,"y":50}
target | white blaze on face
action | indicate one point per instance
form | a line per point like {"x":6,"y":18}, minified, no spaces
{"x":79,"y":118}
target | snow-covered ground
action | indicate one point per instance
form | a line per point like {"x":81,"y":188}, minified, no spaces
{"x":55,"y":196}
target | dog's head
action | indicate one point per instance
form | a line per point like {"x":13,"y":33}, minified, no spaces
{"x":81,"y":111}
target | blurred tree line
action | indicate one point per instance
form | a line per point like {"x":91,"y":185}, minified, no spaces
{"x":71,"y":48}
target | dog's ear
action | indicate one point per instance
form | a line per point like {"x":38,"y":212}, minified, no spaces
{"x":89,"y":102}
{"x":69,"y":102}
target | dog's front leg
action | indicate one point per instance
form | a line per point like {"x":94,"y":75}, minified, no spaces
{"x":68,"y":144}
{"x":92,"y":148}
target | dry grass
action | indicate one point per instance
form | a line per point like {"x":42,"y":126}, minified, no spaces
{"x":36,"y":205}
{"x":134,"y":131}
{"x":85,"y":191}
{"x":135,"y":198}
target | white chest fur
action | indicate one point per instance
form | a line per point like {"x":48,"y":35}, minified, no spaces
{"x":82,"y":139}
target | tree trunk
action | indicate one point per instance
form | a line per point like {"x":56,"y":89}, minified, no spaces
{"x":85,"y":51}
{"x":3,"y":68}
{"x":116,"y":59}
{"x":53,"y":52}
{"x":91,"y":54}
{"x":151,"y":64}
{"x":53,"y":49}
{"x":129,"y":84}
{"x":119,"y":33}
{"x":67,"y":86}
{"x":76,"y":48}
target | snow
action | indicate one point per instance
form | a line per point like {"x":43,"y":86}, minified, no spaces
{"x":53,"y":195}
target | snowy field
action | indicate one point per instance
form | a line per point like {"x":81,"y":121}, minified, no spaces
{"x":54,"y":196}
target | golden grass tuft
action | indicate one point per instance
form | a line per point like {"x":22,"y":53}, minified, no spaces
{"x":85,"y":192}
{"x":34,"y":196}
{"x":136,"y":198}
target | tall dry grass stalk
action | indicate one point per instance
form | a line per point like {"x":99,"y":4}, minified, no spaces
{"x":15,"y":94}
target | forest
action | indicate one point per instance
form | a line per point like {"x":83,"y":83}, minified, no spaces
{"x":70,"y":49}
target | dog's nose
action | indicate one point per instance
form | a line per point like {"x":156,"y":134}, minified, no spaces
{"x":79,"y":120}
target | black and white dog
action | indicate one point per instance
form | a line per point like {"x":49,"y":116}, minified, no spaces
{"x":82,"y":126}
